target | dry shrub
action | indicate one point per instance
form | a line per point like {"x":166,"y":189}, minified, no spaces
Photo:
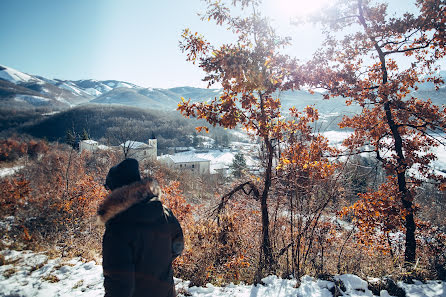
{"x":13,"y":194}
{"x":218,"y":253}
{"x":12,"y":149}
{"x":54,"y":203}
{"x":55,"y":197}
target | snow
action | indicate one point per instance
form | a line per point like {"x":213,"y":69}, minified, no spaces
{"x":89,"y":141}
{"x":315,"y":288}
{"x":218,"y":158}
{"x":9,"y":171}
{"x":134,"y":144}
{"x":336,"y":137}
{"x":73,"y":88}
{"x":33,"y":274}
{"x":93,"y":92}
{"x":124,"y":85}
{"x":15,"y":76}
{"x":274,"y":286}
{"x":29,"y":274}
{"x":440,"y":152}
{"x":429,"y":289}
{"x":32,"y":99}
{"x":104,"y":88}
{"x":60,"y":99}
{"x":354,"y":286}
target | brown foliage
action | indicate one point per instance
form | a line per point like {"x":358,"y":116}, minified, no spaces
{"x":11,"y":149}
{"x":364,"y":68}
{"x":13,"y":194}
{"x":54,"y":201}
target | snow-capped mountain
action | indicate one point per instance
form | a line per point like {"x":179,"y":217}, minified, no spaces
{"x":97,"y":88}
{"x":15,"y":76}
{"x":155,"y":98}
{"x":20,"y":89}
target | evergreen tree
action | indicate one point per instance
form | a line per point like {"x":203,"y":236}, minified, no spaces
{"x":70,"y":138}
{"x":85,"y":135}
{"x":238,"y":166}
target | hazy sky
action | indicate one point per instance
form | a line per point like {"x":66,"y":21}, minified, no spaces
{"x":129,"y":40}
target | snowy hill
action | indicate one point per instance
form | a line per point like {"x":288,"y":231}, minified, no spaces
{"x":18,"y":89}
{"x":166,"y":99}
{"x":31,"y":90}
{"x":21,"y":90}
{"x":14,"y":76}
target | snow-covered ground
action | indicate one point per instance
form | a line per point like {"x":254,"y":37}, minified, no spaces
{"x":9,"y":171}
{"x":337,"y":137}
{"x":28,"y":274}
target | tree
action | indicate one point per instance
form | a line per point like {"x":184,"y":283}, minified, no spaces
{"x":125,"y":135}
{"x":307,"y":183}
{"x":238,"y":166}
{"x":85,"y":135}
{"x":196,"y":141}
{"x":71,"y":138}
{"x":376,"y":61}
{"x":250,"y":71}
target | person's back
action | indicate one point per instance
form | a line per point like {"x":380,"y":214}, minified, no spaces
{"x":142,"y":237}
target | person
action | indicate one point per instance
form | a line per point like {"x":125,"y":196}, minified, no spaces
{"x":142,"y":237}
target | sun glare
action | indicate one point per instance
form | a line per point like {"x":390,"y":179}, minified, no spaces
{"x":299,"y":8}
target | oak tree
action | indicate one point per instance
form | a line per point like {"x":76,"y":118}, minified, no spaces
{"x":250,"y":70}
{"x":376,"y":60}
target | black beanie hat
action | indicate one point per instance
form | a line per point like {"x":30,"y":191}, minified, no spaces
{"x":124,"y":173}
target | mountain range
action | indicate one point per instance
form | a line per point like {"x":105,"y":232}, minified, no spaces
{"x":21,"y":90}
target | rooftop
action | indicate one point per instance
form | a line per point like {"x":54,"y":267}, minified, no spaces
{"x":186,"y":158}
{"x":135,"y":144}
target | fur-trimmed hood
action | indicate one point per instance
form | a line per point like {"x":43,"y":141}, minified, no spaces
{"x":125,"y":197}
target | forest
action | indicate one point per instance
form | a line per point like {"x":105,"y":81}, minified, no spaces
{"x":110,"y":125}
{"x":373,"y":207}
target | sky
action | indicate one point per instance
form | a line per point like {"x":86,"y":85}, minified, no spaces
{"x":129,"y":40}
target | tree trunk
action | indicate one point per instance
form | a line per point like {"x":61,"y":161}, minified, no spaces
{"x":406,"y":196}
{"x":268,"y":259}
{"x":401,"y":168}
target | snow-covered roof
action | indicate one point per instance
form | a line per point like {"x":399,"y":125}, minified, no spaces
{"x":134,"y":144}
{"x":186,"y":158}
{"x":218,"y":158}
{"x":90,"y":141}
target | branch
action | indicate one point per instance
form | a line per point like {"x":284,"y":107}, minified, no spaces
{"x":225,"y":198}
{"x":408,"y":49}
{"x":284,"y":249}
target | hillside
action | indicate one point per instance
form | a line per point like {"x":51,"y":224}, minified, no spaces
{"x":19,"y":90}
{"x":115,"y":124}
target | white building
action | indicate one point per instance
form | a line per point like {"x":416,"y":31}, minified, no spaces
{"x":88,"y":145}
{"x":133,"y":149}
{"x":215,"y":161}
{"x":186,"y":162}
{"x":139,"y":150}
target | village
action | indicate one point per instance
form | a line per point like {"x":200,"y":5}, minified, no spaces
{"x":207,"y":161}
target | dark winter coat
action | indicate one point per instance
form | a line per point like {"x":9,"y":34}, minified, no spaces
{"x":141,"y":240}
